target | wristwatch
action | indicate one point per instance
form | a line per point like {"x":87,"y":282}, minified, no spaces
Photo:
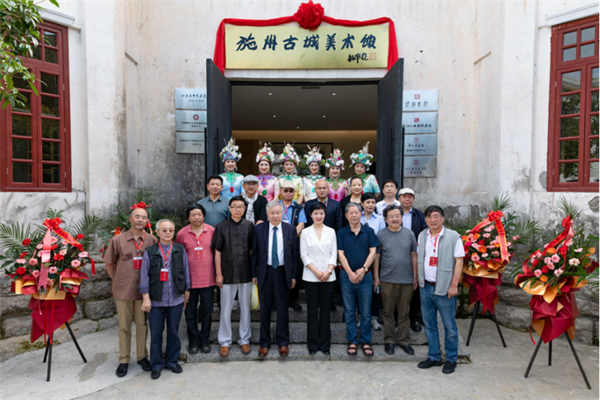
{"x":366,"y":269}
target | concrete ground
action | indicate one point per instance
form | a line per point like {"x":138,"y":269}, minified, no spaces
{"x":494,"y":373}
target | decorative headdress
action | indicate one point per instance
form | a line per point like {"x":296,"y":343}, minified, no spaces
{"x":265,"y":154}
{"x":230,"y":152}
{"x":313,"y":156}
{"x":362,"y":157}
{"x":289,"y":154}
{"x":335,"y":159}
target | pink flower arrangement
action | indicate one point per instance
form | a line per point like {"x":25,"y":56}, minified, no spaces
{"x":83,"y":254}
{"x":39,"y":246}
{"x":538,"y":273}
{"x":62,"y":253}
{"x":52,"y":270}
{"x":53,"y":240}
{"x":33,"y":262}
{"x":486,"y":235}
{"x":75,"y":263}
{"x":475,"y":257}
{"x":555,"y":258}
{"x":21,"y":261}
{"x":35,"y":273}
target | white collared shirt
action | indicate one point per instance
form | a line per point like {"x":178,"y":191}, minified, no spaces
{"x":279,"y":244}
{"x":320,"y":253}
{"x":431,"y":250}
{"x":380,"y":206}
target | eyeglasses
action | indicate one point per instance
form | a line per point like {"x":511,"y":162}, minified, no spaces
{"x":394,"y":217}
{"x":434,"y":217}
{"x":237,"y":207}
{"x":288,"y":190}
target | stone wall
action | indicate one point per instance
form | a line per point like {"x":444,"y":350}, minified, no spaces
{"x":94,"y":303}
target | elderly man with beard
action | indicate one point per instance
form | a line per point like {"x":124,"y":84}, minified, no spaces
{"x":123,"y":259}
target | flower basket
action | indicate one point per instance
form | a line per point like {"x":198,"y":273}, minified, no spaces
{"x":487,"y":253}
{"x":49,"y":272}
{"x":552,"y":276}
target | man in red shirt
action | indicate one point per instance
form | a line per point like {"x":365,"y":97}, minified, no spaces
{"x":196,"y":238}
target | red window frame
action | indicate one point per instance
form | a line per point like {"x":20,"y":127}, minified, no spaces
{"x":584,"y":137}
{"x":39,"y":143}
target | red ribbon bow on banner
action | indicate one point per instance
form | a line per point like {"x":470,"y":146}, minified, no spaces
{"x":309,"y":15}
{"x":495,"y":217}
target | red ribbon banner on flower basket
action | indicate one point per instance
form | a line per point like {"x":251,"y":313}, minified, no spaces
{"x":495,"y":217}
{"x":309,"y":16}
{"x":53,"y":225}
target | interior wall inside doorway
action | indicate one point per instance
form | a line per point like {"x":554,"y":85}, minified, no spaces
{"x":347,"y":141}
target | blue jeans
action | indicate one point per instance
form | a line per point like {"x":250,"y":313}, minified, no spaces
{"x":156,"y":320}
{"x":431,"y":304}
{"x":363,"y":293}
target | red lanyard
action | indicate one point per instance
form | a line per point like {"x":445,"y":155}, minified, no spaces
{"x":435,"y":242}
{"x":138,"y":248}
{"x":163,"y":253}
{"x":199,"y":237}
{"x":325,"y":202}
{"x":285,"y":210}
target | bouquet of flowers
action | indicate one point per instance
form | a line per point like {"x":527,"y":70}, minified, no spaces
{"x":489,"y":247}
{"x":47,"y":264}
{"x":553,"y":274}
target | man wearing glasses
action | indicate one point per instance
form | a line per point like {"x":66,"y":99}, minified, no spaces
{"x":293,"y":214}
{"x":440,"y":260}
{"x":232,"y":244}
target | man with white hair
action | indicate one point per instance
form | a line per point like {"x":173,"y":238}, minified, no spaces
{"x":164,"y":285}
{"x":274,"y":265}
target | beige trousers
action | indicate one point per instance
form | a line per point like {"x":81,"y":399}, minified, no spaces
{"x":127,"y":311}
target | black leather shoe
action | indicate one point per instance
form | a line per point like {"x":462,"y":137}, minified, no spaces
{"x":408,"y":349}
{"x":326,"y":352}
{"x":176,"y":369}
{"x":205,"y":346}
{"x":295,"y":305}
{"x":449,"y":367}
{"x":155,"y":374}
{"x":193,"y":348}
{"x":312,"y":352}
{"x":122,"y":370}
{"x":415,"y":326}
{"x":145,"y":364}
{"x":428,"y":364}
{"x":389,"y":348}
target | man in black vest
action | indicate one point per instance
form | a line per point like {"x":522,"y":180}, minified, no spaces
{"x":164,"y":285}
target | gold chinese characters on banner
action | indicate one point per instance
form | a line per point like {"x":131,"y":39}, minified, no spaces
{"x":292,"y":47}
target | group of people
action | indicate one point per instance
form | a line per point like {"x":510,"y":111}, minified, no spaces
{"x":279,"y":233}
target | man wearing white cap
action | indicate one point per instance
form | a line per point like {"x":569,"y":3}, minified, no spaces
{"x":414,"y":220}
{"x":256,"y":211}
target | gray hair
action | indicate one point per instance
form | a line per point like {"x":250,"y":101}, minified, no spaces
{"x":273,"y":203}
{"x":351,"y":204}
{"x":160,"y":221}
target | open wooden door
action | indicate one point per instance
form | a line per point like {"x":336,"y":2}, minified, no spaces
{"x":218,"y":98}
{"x":390,"y":150}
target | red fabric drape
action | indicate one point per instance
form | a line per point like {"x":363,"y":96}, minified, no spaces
{"x":49,"y":315}
{"x":219,"y":56}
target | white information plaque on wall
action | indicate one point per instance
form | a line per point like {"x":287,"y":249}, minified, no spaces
{"x":426,"y":122}
{"x":420,"y":100}
{"x":190,"y":121}
{"x":420,"y":167}
{"x":420,"y":145}
{"x":189,"y":142}
{"x":190,"y":99}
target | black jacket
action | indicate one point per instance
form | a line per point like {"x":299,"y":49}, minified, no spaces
{"x":260,"y":249}
{"x":418,"y":222}
{"x":260,"y":209}
{"x":234,"y":241}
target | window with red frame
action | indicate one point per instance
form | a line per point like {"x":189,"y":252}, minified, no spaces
{"x":35,"y":138}
{"x":573,"y":127}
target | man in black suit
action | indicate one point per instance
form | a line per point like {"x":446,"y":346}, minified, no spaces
{"x":256,"y":212}
{"x":414,"y":220}
{"x":274,"y":265}
{"x":333,"y":216}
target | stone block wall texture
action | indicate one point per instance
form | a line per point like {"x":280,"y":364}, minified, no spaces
{"x":95,"y":303}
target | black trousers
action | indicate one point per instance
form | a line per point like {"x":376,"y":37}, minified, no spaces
{"x":274,"y":291}
{"x":318,"y":302}
{"x":295,"y":292}
{"x":205,"y":297}
{"x":414,"y":312}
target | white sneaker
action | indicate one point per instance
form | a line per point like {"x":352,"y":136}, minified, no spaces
{"x":375,"y":325}
{"x":236,"y":305}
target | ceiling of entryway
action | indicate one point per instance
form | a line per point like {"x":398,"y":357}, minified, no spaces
{"x":310,"y":107}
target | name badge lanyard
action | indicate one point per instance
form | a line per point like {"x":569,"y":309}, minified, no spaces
{"x":164,"y":273}
{"x":285,"y":211}
{"x":137,"y":260}
{"x":198,"y":249}
{"x":433,"y":261}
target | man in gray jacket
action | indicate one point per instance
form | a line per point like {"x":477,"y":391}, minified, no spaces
{"x":440,"y":260}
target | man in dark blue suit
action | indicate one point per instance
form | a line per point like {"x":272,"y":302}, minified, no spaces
{"x":333,"y":216}
{"x":274,"y":265}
